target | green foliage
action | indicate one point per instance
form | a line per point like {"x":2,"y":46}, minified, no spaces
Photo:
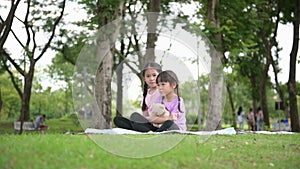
{"x":60,"y":69}
{"x":11,"y":100}
{"x":189,"y":92}
{"x":44,"y":102}
{"x":73,"y":117}
{"x":288,"y":11}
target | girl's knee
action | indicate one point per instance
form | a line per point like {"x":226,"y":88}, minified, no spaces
{"x":137,"y":117}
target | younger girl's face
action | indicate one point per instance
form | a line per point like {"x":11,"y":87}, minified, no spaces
{"x":150,"y":77}
{"x":166,"y":88}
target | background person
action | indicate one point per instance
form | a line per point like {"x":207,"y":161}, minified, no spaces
{"x":39,"y":123}
{"x":240,"y":118}
{"x":251,"y":120}
{"x":260,"y":119}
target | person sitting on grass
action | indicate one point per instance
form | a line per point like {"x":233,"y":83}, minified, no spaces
{"x":39,"y":123}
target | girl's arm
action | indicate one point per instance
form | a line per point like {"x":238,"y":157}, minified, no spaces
{"x":161,"y":119}
{"x":157,"y":119}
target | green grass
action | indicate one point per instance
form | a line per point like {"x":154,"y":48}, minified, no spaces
{"x":220,"y":151}
{"x":79,"y":151}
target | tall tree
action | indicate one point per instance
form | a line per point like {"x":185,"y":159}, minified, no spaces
{"x":269,"y":14}
{"x":292,"y":75}
{"x":233,"y":35}
{"x":102,"y":111}
{"x":216,"y":77}
{"x":26,"y":64}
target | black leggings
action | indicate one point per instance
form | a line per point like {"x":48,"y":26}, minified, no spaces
{"x":139,"y":123}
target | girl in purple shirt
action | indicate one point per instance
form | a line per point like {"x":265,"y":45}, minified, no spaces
{"x":167,"y":82}
{"x":168,"y":87}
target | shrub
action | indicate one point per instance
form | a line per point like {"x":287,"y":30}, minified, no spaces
{"x":73,"y":117}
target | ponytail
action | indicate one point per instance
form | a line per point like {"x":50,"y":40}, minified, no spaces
{"x":145,"y":91}
{"x":177,"y":90}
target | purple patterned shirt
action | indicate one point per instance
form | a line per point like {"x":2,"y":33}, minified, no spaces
{"x":172,"y":107}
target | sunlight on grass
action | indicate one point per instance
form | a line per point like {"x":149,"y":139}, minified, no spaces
{"x":58,"y":150}
{"x":219,"y":151}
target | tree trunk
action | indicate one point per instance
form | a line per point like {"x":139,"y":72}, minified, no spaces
{"x":214,"y":120}
{"x":102,"y":111}
{"x":119,"y":109}
{"x":151,"y":31}
{"x":231,"y":105}
{"x":26,"y":95}
{"x":292,"y":76}
{"x":263,"y":94}
{"x":279,"y":89}
{"x":254,"y":97}
{"x":263,"y":84}
{"x":102,"y":115}
{"x":119,"y":73}
{"x":25,"y":110}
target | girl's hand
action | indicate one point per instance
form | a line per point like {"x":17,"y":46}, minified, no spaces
{"x":173,"y":117}
{"x":150,"y":118}
{"x":153,"y":118}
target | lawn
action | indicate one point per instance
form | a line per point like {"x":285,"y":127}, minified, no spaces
{"x":79,"y":151}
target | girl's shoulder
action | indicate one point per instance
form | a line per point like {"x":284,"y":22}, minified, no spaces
{"x":155,"y":92}
{"x":177,"y":99}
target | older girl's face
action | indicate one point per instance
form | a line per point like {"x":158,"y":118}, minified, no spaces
{"x":150,"y":77}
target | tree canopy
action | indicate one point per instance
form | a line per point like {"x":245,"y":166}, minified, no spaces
{"x":243,"y":33}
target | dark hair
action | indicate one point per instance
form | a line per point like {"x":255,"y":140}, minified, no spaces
{"x":240,"y":110}
{"x":150,"y":65}
{"x":44,"y":117}
{"x":171,"y":77}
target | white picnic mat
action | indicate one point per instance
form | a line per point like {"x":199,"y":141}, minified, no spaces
{"x":125,"y":131}
{"x":226,"y":131}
